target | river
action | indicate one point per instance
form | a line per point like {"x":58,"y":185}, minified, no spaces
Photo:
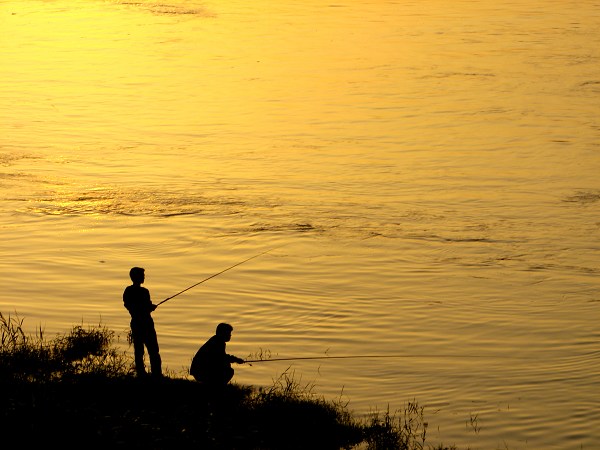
{"x":424,"y":176}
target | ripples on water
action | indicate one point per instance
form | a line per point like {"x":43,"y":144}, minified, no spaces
{"x":426,"y":174}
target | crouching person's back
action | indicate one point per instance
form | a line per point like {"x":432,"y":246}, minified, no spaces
{"x":211,"y":364}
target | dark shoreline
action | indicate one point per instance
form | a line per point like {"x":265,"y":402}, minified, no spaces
{"x":77,"y":391}
{"x":95,"y":412}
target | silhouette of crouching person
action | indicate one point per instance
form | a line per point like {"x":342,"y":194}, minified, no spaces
{"x":212,"y":365}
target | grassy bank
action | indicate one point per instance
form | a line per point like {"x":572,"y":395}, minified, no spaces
{"x":78,"y":390}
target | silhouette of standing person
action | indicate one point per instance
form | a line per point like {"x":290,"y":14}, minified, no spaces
{"x":137,"y":301}
{"x":211,"y":364}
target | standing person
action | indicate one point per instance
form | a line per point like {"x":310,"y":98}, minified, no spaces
{"x":137,"y":301}
{"x":211,"y":364}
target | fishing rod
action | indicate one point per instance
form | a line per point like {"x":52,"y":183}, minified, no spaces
{"x":360,"y":357}
{"x":214,"y":275}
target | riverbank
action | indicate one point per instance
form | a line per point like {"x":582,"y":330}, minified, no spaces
{"x":77,"y":390}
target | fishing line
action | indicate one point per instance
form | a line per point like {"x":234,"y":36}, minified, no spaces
{"x":216,"y":274}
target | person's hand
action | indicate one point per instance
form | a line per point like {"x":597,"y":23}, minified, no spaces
{"x":154,"y":307}
{"x":239,"y":360}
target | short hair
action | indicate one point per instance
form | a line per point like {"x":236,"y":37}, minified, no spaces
{"x":223,"y":328}
{"x":135,"y":273}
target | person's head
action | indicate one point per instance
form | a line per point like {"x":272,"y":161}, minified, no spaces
{"x":137,"y":275}
{"x":224,"y":331}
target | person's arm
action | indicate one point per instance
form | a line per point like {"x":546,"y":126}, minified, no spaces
{"x":127,"y":299}
{"x":235,"y":359}
{"x":148,"y":301}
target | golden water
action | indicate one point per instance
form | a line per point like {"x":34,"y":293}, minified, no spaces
{"x":426,"y":173}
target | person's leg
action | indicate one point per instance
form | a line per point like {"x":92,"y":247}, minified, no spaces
{"x":210,"y":377}
{"x":153,"y":352}
{"x":227,"y":374}
{"x":138,"y":351}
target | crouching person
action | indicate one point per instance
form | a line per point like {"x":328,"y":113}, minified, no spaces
{"x":211,"y":364}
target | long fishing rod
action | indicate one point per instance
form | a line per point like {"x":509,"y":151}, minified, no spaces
{"x":361,"y":357}
{"x":215,"y":275}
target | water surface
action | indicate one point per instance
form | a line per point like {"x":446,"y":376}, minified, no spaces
{"x":425,"y":173}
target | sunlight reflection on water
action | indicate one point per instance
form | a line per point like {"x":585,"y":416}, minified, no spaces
{"x":426,"y":173}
